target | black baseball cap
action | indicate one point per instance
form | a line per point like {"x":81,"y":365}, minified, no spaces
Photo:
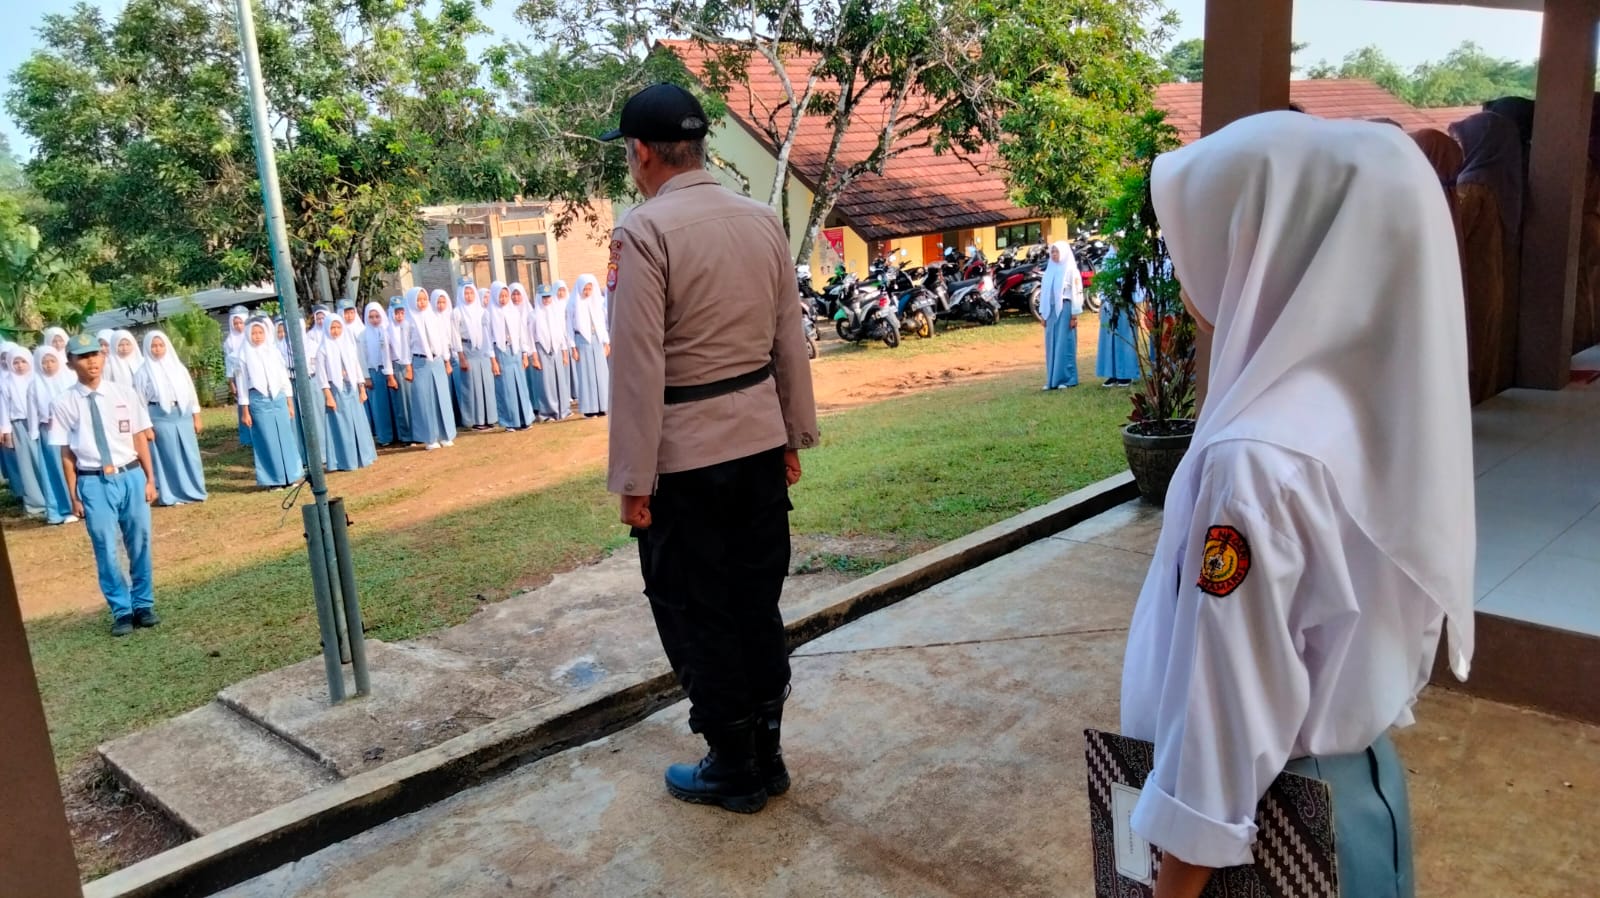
{"x":661,"y":113}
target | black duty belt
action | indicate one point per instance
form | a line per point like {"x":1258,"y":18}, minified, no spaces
{"x":698,"y":392}
{"x":101,"y":473}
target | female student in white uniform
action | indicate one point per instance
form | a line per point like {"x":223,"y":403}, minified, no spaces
{"x":53,"y":378}
{"x":591,"y":348}
{"x":1319,"y":534}
{"x":551,"y":377}
{"x":433,"y":420}
{"x":475,"y":384}
{"x":510,"y":345}
{"x":342,"y":378}
{"x":174,"y":407}
{"x":265,"y":392}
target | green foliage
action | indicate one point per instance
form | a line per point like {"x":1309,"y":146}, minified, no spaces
{"x":1186,"y":61}
{"x":142,"y":130}
{"x":39,"y":284}
{"x":1466,"y":76}
{"x":1141,"y":270}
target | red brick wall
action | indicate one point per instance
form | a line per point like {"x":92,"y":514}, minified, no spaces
{"x":585,"y":249}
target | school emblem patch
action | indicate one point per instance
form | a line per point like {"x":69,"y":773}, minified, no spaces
{"x":1226,"y":561}
{"x":611,"y":267}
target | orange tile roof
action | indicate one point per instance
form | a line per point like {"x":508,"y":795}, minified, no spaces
{"x":1326,"y":98}
{"x":1444,"y":116}
{"x":919,"y":192}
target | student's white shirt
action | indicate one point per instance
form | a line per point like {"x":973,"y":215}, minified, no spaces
{"x":428,"y":338}
{"x":123,"y":413}
{"x":1307,"y":655}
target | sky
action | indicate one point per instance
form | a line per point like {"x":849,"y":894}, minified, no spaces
{"x":1407,"y":33}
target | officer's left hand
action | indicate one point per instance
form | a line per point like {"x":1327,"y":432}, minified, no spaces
{"x":791,"y":466}
{"x":150,"y":493}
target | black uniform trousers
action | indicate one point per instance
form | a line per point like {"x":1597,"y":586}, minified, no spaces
{"x":714,"y":559}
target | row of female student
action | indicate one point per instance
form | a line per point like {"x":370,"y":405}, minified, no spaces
{"x":34,"y":380}
{"x":493,"y":358}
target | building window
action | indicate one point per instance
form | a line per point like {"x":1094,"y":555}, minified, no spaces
{"x":1019,"y":235}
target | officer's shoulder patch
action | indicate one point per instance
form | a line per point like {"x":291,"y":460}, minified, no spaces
{"x":1226,"y":561}
{"x":611,"y":266}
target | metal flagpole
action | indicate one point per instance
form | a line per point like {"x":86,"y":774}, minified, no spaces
{"x":319,"y":526}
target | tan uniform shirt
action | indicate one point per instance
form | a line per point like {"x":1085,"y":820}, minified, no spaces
{"x":702,"y":290}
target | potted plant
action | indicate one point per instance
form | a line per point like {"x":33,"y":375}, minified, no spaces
{"x":1138,"y":282}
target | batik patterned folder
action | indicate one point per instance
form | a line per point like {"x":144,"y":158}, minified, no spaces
{"x":1294,"y":848}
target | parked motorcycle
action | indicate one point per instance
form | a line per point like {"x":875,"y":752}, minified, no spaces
{"x":809,"y":296}
{"x":1018,"y":283}
{"x":867,"y":314}
{"x":808,"y":321}
{"x":973,"y":300}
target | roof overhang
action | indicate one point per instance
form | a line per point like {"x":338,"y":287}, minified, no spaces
{"x":1525,"y":5}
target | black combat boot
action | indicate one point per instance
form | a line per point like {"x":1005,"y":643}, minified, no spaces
{"x":726,"y":776}
{"x":769,"y":753}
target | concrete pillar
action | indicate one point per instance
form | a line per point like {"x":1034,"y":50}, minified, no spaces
{"x":1553,"y":211}
{"x":1248,"y":48}
{"x":552,"y":255}
{"x":497,"y":250}
{"x":36,"y":856}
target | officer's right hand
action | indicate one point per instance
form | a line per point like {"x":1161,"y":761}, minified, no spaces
{"x":636,"y":511}
{"x":77,"y":508}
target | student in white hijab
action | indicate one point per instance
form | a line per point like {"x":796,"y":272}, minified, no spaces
{"x":433,"y":418}
{"x":52,"y":377}
{"x":552,"y":356}
{"x":233,"y":342}
{"x":165,"y":384}
{"x":353,"y":325}
{"x":107,"y":337}
{"x":1319,"y":534}
{"x":125,"y":359}
{"x":1061,"y":302}
{"x":19,"y":432}
{"x":398,"y":336}
{"x":55,"y":338}
{"x":374,"y":342}
{"x":475,"y":384}
{"x":591,"y":348}
{"x":265,"y":392}
{"x":343,"y":379}
{"x":508,"y":338}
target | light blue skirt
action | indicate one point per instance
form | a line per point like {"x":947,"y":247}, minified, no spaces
{"x":275,"y":441}
{"x":1371,"y":819}
{"x":1060,"y":352}
{"x":380,"y":408}
{"x":180,"y":477}
{"x":57,"y":501}
{"x":591,"y":375}
{"x":8,"y":470}
{"x":513,"y":400}
{"x":350,"y":445}
{"x":28,"y":484}
{"x":475,"y":391}
{"x":433,"y":420}
{"x":244,"y":432}
{"x":400,"y":404}
{"x":552,"y":386}
{"x":1117,"y":355}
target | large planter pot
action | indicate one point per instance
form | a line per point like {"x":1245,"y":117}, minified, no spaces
{"x":1154,"y":456}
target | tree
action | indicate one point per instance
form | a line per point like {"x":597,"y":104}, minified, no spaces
{"x":38,"y":283}
{"x":143,"y":138}
{"x":1186,"y":61}
{"x":1466,"y":76}
{"x":951,"y":75}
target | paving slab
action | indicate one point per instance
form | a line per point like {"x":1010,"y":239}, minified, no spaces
{"x":210,"y":766}
{"x":935,"y":763}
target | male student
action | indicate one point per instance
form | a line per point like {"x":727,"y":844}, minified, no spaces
{"x":103,"y":431}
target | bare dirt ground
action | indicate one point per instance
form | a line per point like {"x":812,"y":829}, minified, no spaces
{"x":54,"y":568}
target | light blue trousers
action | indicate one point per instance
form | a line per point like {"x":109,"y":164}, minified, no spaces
{"x":1371,"y":819}
{"x":113,"y":507}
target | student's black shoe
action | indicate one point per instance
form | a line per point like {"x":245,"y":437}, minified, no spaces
{"x":726,"y":776}
{"x":145,"y":617}
{"x":122,"y":626}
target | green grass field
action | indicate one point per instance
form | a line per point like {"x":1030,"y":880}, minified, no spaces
{"x":918,"y":470}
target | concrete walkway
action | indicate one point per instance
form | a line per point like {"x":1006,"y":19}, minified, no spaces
{"x":937,"y":751}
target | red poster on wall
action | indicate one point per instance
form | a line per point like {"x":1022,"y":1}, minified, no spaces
{"x":835,"y":238}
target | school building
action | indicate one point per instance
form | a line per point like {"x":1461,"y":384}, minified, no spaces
{"x":513,"y":241}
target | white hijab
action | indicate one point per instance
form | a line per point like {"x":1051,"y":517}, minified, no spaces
{"x":1063,"y":284}
{"x":374,"y":340}
{"x":18,"y":388}
{"x":49,"y":338}
{"x":263,"y":364}
{"x":46,"y":387}
{"x":121,"y":370}
{"x":398,"y":333}
{"x":550,"y":321}
{"x":503,"y":322}
{"x":165,"y":381}
{"x":1265,"y":221}
{"x":232,"y":342}
{"x":339,"y":358}
{"x":470,"y":314}
{"x":587,"y":317}
{"x":352,"y":329}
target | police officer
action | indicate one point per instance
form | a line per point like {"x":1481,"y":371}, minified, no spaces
{"x":711,"y":401}
{"x":103,"y":430}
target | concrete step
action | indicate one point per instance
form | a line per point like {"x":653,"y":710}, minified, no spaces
{"x":211,"y":767}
